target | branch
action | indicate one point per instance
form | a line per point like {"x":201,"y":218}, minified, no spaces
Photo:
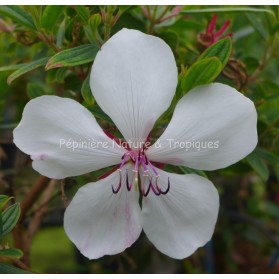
{"x":32,"y":196}
{"x":38,"y":217}
{"x":18,"y":232}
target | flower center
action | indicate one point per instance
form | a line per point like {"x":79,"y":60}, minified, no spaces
{"x":149,"y":173}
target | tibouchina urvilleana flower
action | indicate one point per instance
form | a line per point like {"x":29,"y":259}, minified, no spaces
{"x":133,"y":79}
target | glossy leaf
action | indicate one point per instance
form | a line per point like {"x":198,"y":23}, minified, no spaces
{"x":11,"y":253}
{"x":36,"y":14}
{"x":72,"y":57}
{"x":89,"y":34}
{"x":61,"y":34}
{"x":257,"y":25}
{"x":202,"y":72}
{"x":12,"y":67}
{"x":258,"y":165}
{"x":83,"y":13}
{"x":269,"y":111}
{"x":50,"y":16}
{"x":94,"y":21}
{"x":9,"y":218}
{"x":27,"y":67}
{"x":61,"y":74}
{"x":9,"y":269}
{"x":98,"y":113}
{"x":86,"y":92}
{"x":228,"y":10}
{"x":34,"y":90}
{"x":221,"y":49}
{"x":18,"y":15}
{"x":272,"y":158}
{"x":271,"y":209}
{"x":186,"y":170}
{"x":125,"y":8}
{"x":69,"y":29}
{"x":4,"y":200}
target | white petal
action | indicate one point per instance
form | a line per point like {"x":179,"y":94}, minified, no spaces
{"x":50,"y":129}
{"x":100,"y":222}
{"x":214,"y":126}
{"x":133,"y":79}
{"x":184,"y":219}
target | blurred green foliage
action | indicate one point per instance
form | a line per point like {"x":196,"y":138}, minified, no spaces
{"x":9,"y":215}
{"x":50,"y":49}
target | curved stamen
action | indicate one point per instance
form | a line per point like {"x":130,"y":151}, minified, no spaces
{"x":145,"y":170}
{"x":124,"y":160}
{"x":145,"y":160}
{"x":160,"y":190}
{"x":145,"y":176}
{"x":139,"y":158}
{"x":145,"y":194}
{"x":128,"y":185}
{"x":119,"y":184}
{"x":153,"y":168}
{"x":153,"y":188}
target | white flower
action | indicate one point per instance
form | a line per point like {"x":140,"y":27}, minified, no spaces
{"x":133,"y":79}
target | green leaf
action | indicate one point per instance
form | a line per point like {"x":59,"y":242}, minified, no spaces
{"x":8,"y":126}
{"x":8,"y":269}
{"x":186,"y":170}
{"x":125,"y":8}
{"x":228,"y":10}
{"x":70,"y":28}
{"x":270,"y":208}
{"x":12,"y":67}
{"x":34,"y":90}
{"x":4,"y":91}
{"x":276,"y":170}
{"x":72,"y":57}
{"x":61,"y":33}
{"x":11,"y":253}
{"x":275,"y":28}
{"x":50,"y":16}
{"x":94,"y":22}
{"x":258,"y":165}
{"x":61,"y":74}
{"x":83,"y":13}
{"x":27,"y":67}
{"x":258,"y":26}
{"x":9,"y":218}
{"x":4,"y":200}
{"x":86,"y":91}
{"x":269,"y":112}
{"x":221,"y":49}
{"x":36,"y":13}
{"x":98,"y":113}
{"x":272,"y":158}
{"x":201,"y":72}
{"x":18,"y":15}
{"x":89,"y":34}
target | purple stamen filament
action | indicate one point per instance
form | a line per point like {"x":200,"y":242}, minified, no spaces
{"x":140,"y":159}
